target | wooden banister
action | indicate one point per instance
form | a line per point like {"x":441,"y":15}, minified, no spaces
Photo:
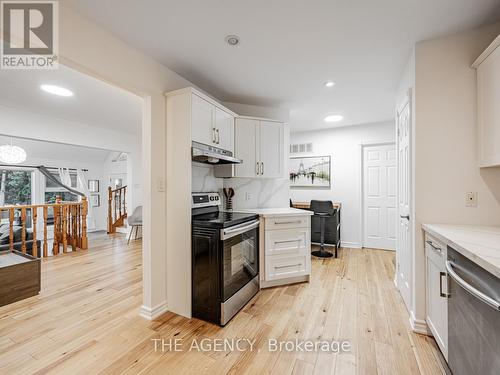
{"x":70,"y":226}
{"x":117,"y":207}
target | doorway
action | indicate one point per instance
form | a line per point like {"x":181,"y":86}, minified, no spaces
{"x":379,"y":194}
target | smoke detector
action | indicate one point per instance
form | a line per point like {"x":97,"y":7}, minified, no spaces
{"x":233,"y":40}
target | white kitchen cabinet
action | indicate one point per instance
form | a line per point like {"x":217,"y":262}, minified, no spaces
{"x":211,"y":124}
{"x":271,"y":149}
{"x":224,"y":129}
{"x":246,"y":147}
{"x":285,"y":249}
{"x":260,"y":144}
{"x":437,"y":292}
{"x":488,"y":108}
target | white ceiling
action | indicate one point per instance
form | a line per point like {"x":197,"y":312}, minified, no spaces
{"x":94,"y":103}
{"x":41,"y":150}
{"x":289,"y":48}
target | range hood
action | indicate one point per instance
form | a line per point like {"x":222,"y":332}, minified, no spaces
{"x":212,"y":155}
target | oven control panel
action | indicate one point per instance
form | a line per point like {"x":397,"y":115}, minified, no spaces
{"x":205,"y":200}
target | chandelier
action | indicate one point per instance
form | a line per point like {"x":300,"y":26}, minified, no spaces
{"x":11,"y":154}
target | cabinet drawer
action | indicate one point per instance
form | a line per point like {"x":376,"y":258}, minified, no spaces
{"x":288,"y":241}
{"x":288,"y":222}
{"x":284,"y":266}
{"x":435,"y":250}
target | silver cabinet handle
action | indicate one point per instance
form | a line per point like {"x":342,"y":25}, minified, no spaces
{"x":438,"y":249}
{"x":469,"y":288}
{"x":218,"y":136}
{"x":262,"y":168}
{"x":288,"y":241}
{"x":288,"y":222}
{"x":290,"y":265}
{"x":257,"y":168}
{"x":441,"y":294}
{"x":213,"y":136}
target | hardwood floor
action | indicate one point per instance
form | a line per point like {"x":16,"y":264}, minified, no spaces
{"x":86,"y":321}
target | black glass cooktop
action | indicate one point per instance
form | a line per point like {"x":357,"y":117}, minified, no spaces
{"x":223,"y":219}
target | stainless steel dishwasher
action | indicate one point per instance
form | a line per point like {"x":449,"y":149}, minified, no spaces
{"x":473,"y":318}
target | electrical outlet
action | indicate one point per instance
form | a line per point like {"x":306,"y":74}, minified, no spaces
{"x":248,"y":196}
{"x":471,"y":199}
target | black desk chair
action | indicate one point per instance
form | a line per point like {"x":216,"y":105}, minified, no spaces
{"x":325,"y":227}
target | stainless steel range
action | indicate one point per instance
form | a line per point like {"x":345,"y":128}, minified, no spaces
{"x":225,"y":259}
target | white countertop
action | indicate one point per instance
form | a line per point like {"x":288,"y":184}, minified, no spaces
{"x":279,"y":211}
{"x":479,"y":244}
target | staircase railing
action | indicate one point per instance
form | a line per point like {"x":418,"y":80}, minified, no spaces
{"x":117,"y":207}
{"x":68,"y":219}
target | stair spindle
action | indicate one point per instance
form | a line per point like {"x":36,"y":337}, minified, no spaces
{"x":34,"y":247}
{"x":23,"y":230}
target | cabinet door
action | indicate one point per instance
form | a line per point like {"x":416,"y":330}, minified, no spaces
{"x":202,"y":121}
{"x":271,"y":149}
{"x":224,"y":125}
{"x":245,"y":147}
{"x":488,"y":78}
{"x":437,"y":306}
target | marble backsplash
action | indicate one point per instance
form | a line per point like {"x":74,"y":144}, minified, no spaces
{"x":203,"y":179}
{"x":263,"y":193}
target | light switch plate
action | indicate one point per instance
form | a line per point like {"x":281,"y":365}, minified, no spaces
{"x":471,"y":199}
{"x":160,"y":185}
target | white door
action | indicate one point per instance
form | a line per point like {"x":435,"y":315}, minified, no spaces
{"x":202,"y":121}
{"x":379,"y":196}
{"x":404,"y":254}
{"x":224,"y":127}
{"x":271,"y":149}
{"x":245,"y":146}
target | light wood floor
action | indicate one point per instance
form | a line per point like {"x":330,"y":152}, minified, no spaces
{"x":86,"y":321}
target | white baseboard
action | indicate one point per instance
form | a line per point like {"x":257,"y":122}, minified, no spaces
{"x":153,"y":313}
{"x":419,"y":325}
{"x":352,"y":245}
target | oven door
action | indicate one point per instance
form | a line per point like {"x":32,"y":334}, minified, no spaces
{"x":240,"y":258}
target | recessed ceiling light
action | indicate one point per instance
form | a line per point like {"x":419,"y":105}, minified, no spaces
{"x":334,"y":118}
{"x":329,"y":83}
{"x":56,"y":90}
{"x":233,"y":40}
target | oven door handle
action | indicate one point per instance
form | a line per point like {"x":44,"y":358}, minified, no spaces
{"x":238,"y":229}
{"x":469,"y":288}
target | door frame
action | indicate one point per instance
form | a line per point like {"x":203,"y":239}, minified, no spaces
{"x":361,"y":151}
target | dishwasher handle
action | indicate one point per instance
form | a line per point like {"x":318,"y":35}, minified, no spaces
{"x":469,"y":288}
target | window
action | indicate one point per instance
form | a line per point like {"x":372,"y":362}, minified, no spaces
{"x":53,"y":190}
{"x":15,"y":187}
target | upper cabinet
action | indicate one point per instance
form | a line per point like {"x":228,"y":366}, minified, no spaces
{"x":488,"y":107}
{"x":211,"y":124}
{"x":260,"y":144}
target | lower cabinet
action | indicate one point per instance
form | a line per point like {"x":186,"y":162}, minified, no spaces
{"x":437,"y":292}
{"x":286,"y":258}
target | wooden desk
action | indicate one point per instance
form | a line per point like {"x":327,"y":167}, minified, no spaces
{"x":306,"y":205}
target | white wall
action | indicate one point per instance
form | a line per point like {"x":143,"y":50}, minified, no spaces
{"x":344,"y":146}
{"x":119,"y":64}
{"x":445,"y":142}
